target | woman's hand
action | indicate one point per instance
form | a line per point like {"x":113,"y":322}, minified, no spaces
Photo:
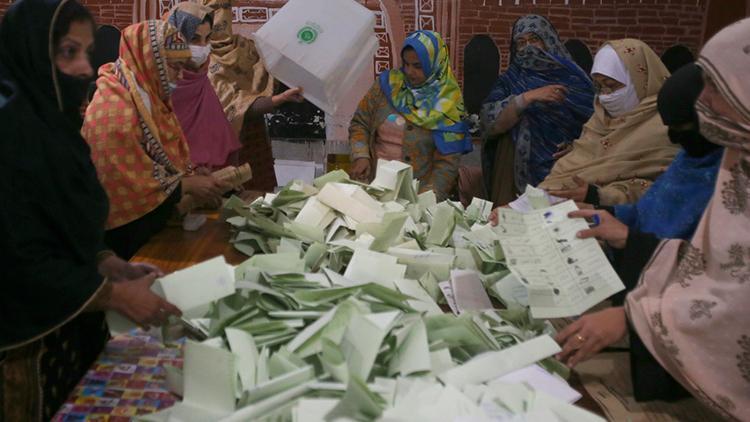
{"x":205,"y":189}
{"x":546,"y":94}
{"x":606,"y":228}
{"x":493,"y":217}
{"x":577,"y":194}
{"x":135,"y":300}
{"x":202,"y":171}
{"x":361,"y":169}
{"x":292,"y":95}
{"x":115,"y":268}
{"x":590,"y":334}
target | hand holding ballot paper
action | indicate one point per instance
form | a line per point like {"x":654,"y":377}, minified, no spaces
{"x":187,"y":292}
{"x":565,"y":275}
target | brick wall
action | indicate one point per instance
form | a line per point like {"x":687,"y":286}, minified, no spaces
{"x":112,"y":12}
{"x":660,"y":23}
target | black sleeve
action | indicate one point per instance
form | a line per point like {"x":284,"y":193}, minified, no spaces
{"x":630,"y":261}
{"x":650,"y":380}
{"x":592,"y":196}
{"x":52,"y":216}
{"x":608,"y":208}
{"x":45,"y":282}
{"x":126,"y":240}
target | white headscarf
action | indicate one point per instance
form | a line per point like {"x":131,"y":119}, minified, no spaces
{"x":608,"y":63}
{"x":624,"y":100}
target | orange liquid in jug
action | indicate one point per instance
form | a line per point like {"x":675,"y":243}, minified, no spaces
{"x":338,"y":162}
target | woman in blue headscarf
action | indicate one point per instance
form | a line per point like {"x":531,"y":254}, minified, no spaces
{"x":541,"y":103}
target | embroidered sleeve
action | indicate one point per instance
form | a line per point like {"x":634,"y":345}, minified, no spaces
{"x":360,"y":129}
{"x":623,"y":191}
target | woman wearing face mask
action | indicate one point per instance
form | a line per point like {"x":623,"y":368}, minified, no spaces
{"x":687,"y":316}
{"x":138,"y":146}
{"x":57,"y":274}
{"x":624,"y":146}
{"x":536,"y":108}
{"x":674,"y":204}
{"x":212,"y":139}
{"x":414,"y":114}
{"x":245,"y":90}
{"x":196,"y":105}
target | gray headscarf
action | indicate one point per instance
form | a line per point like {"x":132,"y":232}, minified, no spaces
{"x":187,"y":16}
{"x":532,"y":57}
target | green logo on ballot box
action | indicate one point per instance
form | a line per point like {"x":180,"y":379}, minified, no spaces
{"x":308,"y":34}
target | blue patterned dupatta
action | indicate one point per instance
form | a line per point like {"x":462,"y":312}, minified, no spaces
{"x":542,"y":126}
{"x":673,"y":205}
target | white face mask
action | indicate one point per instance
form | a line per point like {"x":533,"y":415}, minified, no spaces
{"x":200,"y":54}
{"x":620,"y":102}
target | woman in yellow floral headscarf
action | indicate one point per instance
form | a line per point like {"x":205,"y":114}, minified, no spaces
{"x":414,"y":114}
{"x":137,"y":145}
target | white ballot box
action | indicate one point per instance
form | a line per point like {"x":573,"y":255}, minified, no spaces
{"x":323,"y":46}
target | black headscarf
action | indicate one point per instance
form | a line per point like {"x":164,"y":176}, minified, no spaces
{"x":676,"y":57}
{"x":581,"y":54}
{"x":53,"y":208}
{"x":676,"y":103}
{"x":107,"y":48}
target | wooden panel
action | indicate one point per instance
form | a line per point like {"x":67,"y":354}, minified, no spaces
{"x":723,"y":12}
{"x":481,"y":67}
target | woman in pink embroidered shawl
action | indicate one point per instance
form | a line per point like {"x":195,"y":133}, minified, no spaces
{"x":689,"y":308}
{"x":195,"y":102}
{"x":213,"y":140}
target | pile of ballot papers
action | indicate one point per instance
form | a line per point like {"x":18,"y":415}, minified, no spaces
{"x":336,"y":313}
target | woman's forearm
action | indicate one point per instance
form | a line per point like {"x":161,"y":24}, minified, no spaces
{"x":509,"y":117}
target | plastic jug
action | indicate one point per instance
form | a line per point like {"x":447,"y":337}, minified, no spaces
{"x":323,"y":46}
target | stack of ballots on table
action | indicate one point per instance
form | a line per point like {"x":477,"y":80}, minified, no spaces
{"x":335,"y":314}
{"x":529,"y":258}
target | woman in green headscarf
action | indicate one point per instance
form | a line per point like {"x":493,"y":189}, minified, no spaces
{"x":415,"y":115}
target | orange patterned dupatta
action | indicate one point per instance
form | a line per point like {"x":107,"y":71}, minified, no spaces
{"x":136,"y":141}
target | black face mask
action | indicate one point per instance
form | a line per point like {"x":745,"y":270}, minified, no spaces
{"x":694,"y":144}
{"x":73,"y":91}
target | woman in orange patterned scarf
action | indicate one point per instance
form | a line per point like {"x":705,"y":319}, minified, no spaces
{"x":141,"y":155}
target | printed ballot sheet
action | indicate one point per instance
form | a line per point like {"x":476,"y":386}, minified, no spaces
{"x":565,"y":275}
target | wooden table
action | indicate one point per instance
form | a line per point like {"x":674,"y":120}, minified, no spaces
{"x":172,"y":249}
